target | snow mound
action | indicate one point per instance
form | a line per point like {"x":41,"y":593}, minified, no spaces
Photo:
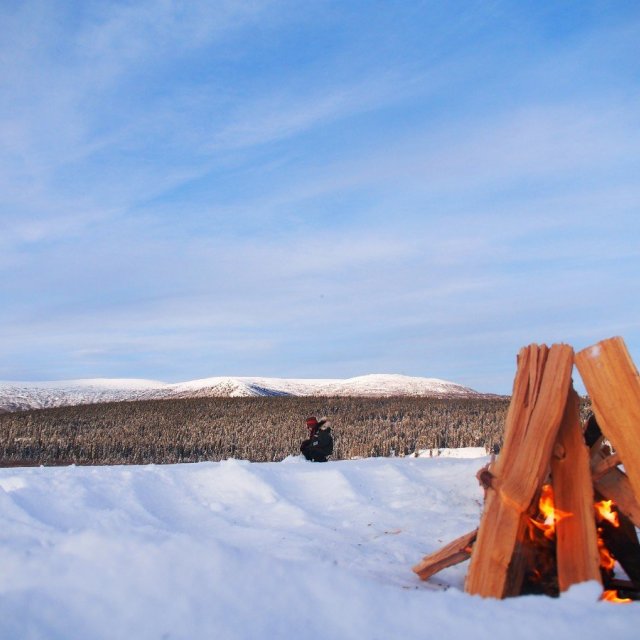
{"x":243,"y":550}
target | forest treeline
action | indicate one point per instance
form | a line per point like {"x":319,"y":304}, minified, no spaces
{"x":256,"y":429}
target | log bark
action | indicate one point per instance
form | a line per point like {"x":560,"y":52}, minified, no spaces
{"x":576,"y":536}
{"x":540,"y":390}
{"x":455,"y":552}
{"x":613,"y":383}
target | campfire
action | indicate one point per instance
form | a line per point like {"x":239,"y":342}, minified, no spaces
{"x":562,"y":499}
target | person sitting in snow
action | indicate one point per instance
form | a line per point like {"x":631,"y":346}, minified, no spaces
{"x":319,"y":444}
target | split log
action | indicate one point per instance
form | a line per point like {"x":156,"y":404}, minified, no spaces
{"x":576,"y":536}
{"x":599,"y":451}
{"x":605,"y":465}
{"x":612,"y":483}
{"x":540,"y":390}
{"x":522,"y":576}
{"x":613,"y":383}
{"x":615,"y":486}
{"x":598,"y":447}
{"x":625,"y":589}
{"x":454,"y":553}
{"x":622,"y":542}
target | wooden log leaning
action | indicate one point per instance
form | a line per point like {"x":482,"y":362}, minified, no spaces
{"x":577,"y":553}
{"x":455,"y":552}
{"x":612,"y":483}
{"x":540,"y":391}
{"x":615,"y":486}
{"x":622,"y":541}
{"x":604,"y":466}
{"x":613,"y":383}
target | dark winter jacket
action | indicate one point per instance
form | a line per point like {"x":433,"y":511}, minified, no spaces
{"x":320,"y":445}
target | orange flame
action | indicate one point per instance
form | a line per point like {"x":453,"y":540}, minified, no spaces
{"x":607,"y":561}
{"x":604,"y":511}
{"x":612,"y":596}
{"x":550,"y":515}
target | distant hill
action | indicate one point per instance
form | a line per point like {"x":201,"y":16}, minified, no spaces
{"x":19,"y":396}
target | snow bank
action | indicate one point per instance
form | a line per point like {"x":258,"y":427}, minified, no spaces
{"x":241,"y":550}
{"x":462,"y":452}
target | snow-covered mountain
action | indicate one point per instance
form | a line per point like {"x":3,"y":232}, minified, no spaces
{"x":18,"y":396}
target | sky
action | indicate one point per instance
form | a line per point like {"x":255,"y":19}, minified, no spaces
{"x":315,"y":189}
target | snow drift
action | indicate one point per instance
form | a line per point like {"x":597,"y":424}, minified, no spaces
{"x":275,"y":550}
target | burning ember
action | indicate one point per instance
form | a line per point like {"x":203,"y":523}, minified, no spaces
{"x":612,"y":596}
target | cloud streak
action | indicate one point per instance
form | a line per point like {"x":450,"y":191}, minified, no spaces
{"x":249,"y":188}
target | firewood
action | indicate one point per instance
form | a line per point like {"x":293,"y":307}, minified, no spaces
{"x":540,"y":390}
{"x":614,"y":485}
{"x":577,"y":539}
{"x":622,"y":542}
{"x":621,"y":584}
{"x":599,"y":451}
{"x":455,"y":552}
{"x":604,"y":466}
{"x":613,"y":383}
{"x":625,"y":589}
{"x":522,"y":573}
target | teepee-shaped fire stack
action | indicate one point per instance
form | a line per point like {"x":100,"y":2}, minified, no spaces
{"x":558,"y":509}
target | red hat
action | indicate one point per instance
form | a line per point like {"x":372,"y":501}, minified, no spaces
{"x":312,"y":421}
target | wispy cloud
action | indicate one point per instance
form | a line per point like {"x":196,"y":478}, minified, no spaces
{"x":253,"y":187}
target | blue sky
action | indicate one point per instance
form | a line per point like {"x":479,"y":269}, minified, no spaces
{"x":315,"y":189}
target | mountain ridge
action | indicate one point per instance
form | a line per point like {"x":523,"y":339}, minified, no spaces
{"x":20,"y":396}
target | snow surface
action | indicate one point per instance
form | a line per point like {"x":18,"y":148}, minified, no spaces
{"x":16,"y":396}
{"x":260,"y":550}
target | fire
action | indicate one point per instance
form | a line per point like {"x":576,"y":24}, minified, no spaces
{"x":549,"y":514}
{"x":606,"y":559}
{"x":612,"y":596}
{"x":604,"y":511}
{"x":542,"y":533}
{"x":607,"y":511}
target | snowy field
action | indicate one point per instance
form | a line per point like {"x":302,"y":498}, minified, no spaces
{"x":242,"y":550}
